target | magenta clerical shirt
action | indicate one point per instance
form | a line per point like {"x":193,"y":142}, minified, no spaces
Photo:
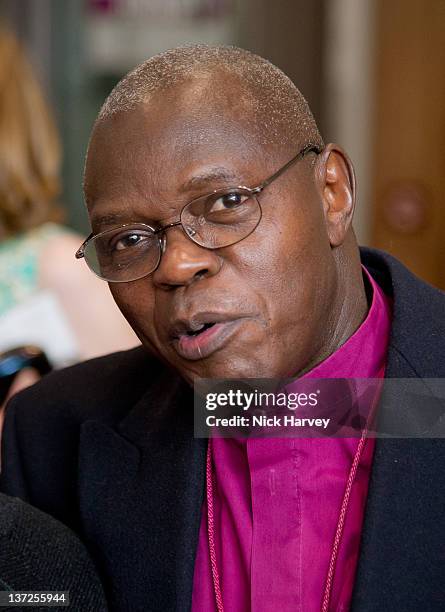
{"x":277,"y":502}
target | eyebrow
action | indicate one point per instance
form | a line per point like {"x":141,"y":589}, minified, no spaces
{"x":218,"y":173}
{"x":108,"y":220}
{"x":214,"y":174}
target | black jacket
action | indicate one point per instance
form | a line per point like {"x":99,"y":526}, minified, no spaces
{"x":107,"y":447}
{"x":37,"y":553}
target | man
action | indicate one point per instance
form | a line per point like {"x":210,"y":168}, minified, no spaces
{"x":223,"y":225}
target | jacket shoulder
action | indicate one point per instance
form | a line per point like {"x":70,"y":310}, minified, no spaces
{"x":103,"y":388}
{"x":417,"y":344}
{"x":41,"y":433}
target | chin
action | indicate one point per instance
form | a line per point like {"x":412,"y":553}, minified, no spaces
{"x":236,"y":370}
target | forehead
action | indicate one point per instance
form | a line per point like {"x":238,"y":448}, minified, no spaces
{"x":158,"y":147}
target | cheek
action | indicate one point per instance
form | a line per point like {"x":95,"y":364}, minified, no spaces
{"x":288,"y":263}
{"x":288,"y":255}
{"x":136,"y":302}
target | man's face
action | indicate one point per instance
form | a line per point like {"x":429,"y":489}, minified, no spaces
{"x":266,"y":301}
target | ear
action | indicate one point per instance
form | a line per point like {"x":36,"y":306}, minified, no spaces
{"x":336,"y":181}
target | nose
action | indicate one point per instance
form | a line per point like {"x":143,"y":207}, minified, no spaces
{"x":183,"y":262}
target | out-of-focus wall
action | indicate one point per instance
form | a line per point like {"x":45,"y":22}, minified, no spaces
{"x":290,"y":34}
{"x":408,"y":173}
{"x":348,"y":100}
{"x":32,"y":23}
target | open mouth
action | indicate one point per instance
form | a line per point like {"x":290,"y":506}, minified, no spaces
{"x":200,"y":340}
{"x":200,"y":330}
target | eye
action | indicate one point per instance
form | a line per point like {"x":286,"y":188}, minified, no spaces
{"x":227,"y":202}
{"x":131,"y":239}
{"x":127,"y":241}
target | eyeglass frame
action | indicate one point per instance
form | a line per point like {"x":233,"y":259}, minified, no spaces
{"x":309,"y":148}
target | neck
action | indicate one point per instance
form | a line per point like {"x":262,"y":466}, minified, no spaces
{"x":350,"y":305}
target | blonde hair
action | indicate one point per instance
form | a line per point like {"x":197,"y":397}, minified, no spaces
{"x":29,"y":145}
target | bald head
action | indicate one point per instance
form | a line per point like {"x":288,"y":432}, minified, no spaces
{"x":228,"y":79}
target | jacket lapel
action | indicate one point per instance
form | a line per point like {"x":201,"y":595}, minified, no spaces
{"x":147,"y":479}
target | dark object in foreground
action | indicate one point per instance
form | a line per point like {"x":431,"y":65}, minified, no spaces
{"x":37,"y":553}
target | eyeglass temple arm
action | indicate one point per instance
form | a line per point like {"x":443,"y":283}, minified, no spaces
{"x":81,"y":250}
{"x":308,"y":149}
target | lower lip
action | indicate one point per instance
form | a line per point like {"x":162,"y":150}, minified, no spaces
{"x":206,"y":343}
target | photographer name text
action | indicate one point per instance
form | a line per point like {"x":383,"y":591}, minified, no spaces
{"x":265,"y":421}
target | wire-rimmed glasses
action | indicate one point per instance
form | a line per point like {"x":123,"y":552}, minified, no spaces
{"x":213,"y":221}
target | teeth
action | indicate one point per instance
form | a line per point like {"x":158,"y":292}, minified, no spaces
{"x":199,"y":328}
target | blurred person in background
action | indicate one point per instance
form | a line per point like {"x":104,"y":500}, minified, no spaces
{"x":45,"y":298}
